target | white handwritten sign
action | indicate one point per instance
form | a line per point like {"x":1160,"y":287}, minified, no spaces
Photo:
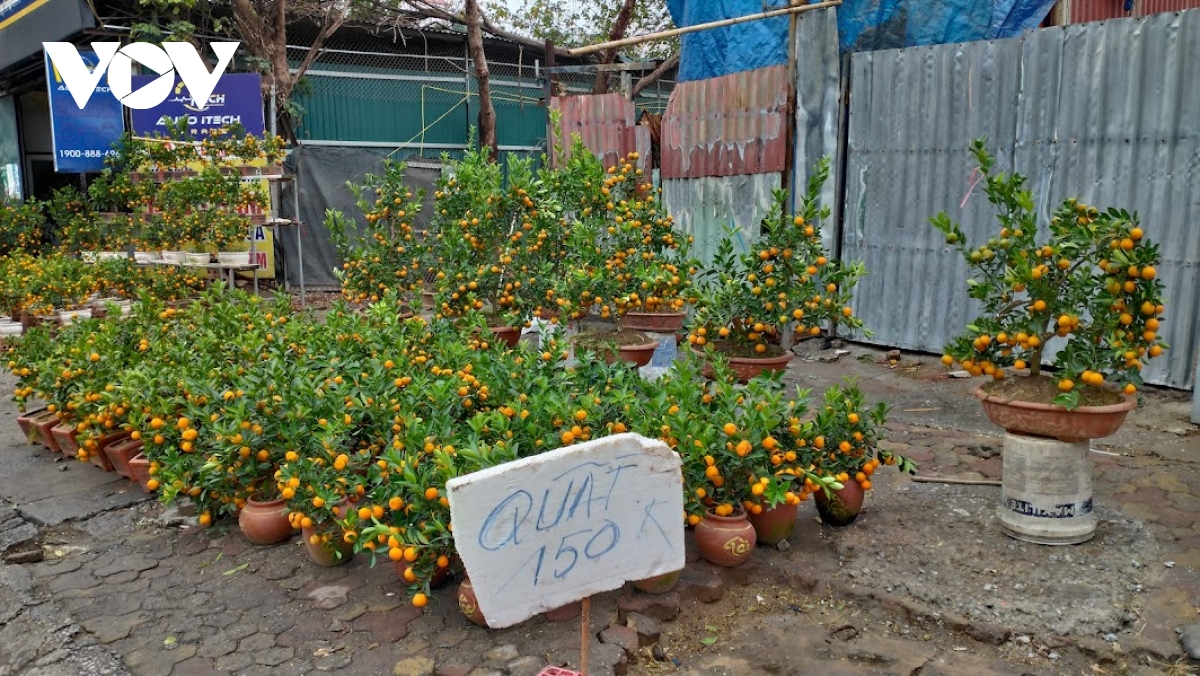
{"x":542,"y":532}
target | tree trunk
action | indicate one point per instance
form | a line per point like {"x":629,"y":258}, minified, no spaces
{"x":620,"y":25}
{"x":263,"y":29}
{"x":487,"y":112}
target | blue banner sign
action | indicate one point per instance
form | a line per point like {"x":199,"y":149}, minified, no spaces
{"x":236,"y":99}
{"x":12,"y":10}
{"x":83,"y":138}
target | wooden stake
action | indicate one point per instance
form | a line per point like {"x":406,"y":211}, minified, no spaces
{"x":584,"y":635}
{"x":955,"y":480}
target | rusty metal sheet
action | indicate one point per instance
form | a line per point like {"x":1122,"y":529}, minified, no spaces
{"x":727,"y":126}
{"x":1082,"y":11}
{"x":606,"y":123}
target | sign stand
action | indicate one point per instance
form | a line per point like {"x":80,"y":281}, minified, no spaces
{"x":584,"y":638}
{"x":557,"y":528}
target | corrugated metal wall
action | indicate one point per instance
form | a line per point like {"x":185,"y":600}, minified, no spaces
{"x":1107,"y":112}
{"x":1081,"y":11}
{"x":726,"y":126}
{"x":606,"y":124}
{"x":724,"y":139}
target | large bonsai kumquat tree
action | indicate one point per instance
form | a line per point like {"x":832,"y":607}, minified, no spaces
{"x":1092,"y":281}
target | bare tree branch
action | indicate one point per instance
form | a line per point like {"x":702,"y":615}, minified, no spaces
{"x":654,"y":75}
{"x":620,"y":25}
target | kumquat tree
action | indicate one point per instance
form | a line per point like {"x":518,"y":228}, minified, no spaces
{"x":1088,"y":278}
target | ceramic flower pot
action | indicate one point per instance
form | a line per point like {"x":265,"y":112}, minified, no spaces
{"x":468,"y":603}
{"x":841,"y":507}
{"x":121,"y":453}
{"x":654,"y":322}
{"x":725,"y":540}
{"x":98,"y":450}
{"x":333,"y":551}
{"x":28,"y":421}
{"x":775,"y":525}
{"x":1056,"y":422}
{"x":745,"y":368}
{"x":636,"y":353}
{"x":234,"y":258}
{"x":510,"y":335}
{"x":659,"y":584}
{"x":139,"y":467}
{"x":265,"y":522}
{"x":43,"y":426}
{"x":65,"y":438}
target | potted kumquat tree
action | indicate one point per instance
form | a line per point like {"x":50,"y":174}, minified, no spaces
{"x":1079,"y":295}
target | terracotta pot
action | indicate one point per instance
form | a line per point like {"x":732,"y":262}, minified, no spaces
{"x":1056,"y":422}
{"x":842,"y":507}
{"x":659,"y":584}
{"x":120,"y":453}
{"x":265,"y":522}
{"x":334,"y":553}
{"x":43,"y":426}
{"x":638,"y":355}
{"x":468,"y":603}
{"x":439,"y":579}
{"x":725,"y":540}
{"x":28,"y":321}
{"x":564,"y":613}
{"x":139,"y":467}
{"x":28,"y":421}
{"x":775,"y":525}
{"x":98,"y":455}
{"x":746,"y":368}
{"x":510,"y":335}
{"x":65,"y":437}
{"x":654,"y":322}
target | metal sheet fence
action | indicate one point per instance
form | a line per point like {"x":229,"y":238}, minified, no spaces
{"x":1105,"y":112}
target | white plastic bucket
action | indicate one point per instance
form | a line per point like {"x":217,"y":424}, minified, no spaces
{"x":1046,"y":492}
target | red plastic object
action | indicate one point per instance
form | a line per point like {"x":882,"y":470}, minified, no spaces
{"x":557,"y":671}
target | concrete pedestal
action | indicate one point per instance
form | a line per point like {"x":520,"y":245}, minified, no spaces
{"x":1046,"y":495}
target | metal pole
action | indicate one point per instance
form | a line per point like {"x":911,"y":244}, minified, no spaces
{"x":299,"y":239}
{"x":274,"y":112}
{"x":548,"y":83}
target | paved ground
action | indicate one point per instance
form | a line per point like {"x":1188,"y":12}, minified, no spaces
{"x":922,"y":583}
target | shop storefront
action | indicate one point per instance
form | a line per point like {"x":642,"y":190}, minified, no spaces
{"x":26,"y":146}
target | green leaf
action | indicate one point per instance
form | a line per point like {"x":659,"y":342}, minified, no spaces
{"x":239,"y":569}
{"x":170,"y":640}
{"x":710,"y":627}
{"x":1067,"y":399}
{"x":708,"y":640}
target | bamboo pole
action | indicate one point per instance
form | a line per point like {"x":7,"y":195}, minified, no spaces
{"x":662,"y":35}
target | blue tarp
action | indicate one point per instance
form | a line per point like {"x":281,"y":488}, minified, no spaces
{"x":863,"y":25}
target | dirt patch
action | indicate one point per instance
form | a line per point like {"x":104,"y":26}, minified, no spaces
{"x":1043,"y":390}
{"x":968,"y":567}
{"x":594,"y":339}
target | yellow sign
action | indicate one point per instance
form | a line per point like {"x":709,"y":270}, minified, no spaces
{"x":263,"y":237}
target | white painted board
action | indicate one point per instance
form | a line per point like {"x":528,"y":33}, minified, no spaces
{"x":541,"y":532}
